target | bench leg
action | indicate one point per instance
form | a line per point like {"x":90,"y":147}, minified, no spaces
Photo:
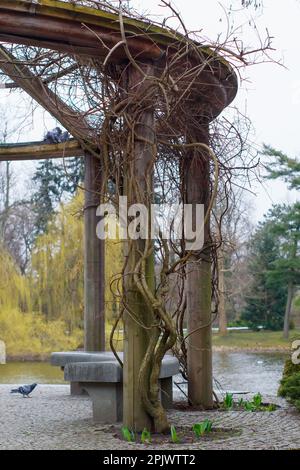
{"x":107,"y":401}
{"x":76,"y":389}
{"x":166,"y":392}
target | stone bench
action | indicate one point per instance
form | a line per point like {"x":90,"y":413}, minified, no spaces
{"x":61,"y":359}
{"x":100,"y":375}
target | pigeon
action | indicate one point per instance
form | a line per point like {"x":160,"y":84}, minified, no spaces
{"x":53,"y":137}
{"x":24,"y":390}
{"x":56,"y":136}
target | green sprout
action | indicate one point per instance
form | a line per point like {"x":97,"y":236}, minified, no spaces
{"x":228,"y":401}
{"x":201,"y":428}
{"x":128,"y":435}
{"x":174,"y":436}
{"x":146,"y":436}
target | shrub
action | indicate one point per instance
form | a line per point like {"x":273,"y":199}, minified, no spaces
{"x":290,"y":383}
{"x":297,"y":404}
{"x":290,"y":386}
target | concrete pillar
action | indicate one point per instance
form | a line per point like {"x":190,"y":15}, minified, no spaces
{"x":136,"y":340}
{"x":198,"y":279}
{"x":94,"y":252}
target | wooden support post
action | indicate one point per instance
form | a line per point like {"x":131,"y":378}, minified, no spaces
{"x":138,"y":188}
{"x":94,"y":252}
{"x":198,"y":281}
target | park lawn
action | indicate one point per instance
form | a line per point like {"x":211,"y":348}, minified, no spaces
{"x":254,"y":340}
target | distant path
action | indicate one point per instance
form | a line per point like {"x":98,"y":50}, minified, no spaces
{"x":52,"y":419}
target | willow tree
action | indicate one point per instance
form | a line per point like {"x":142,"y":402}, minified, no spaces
{"x":14,"y":288}
{"x":57,"y":267}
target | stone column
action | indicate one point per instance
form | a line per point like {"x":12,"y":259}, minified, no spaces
{"x":94,"y":263}
{"x":198,"y":278}
{"x":138,"y":187}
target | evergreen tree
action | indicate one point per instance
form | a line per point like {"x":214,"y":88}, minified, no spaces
{"x":46,"y":178}
{"x":275,"y":268}
{"x":286,"y":269}
{"x":265,"y":300}
{"x":53,"y":180}
{"x":283,"y":167}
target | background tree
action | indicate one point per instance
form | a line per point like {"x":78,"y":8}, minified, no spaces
{"x":57,"y":267}
{"x":232,"y":234}
{"x":288,"y":169}
{"x":274,"y":268}
{"x":286,"y":269}
{"x":53,"y":181}
{"x":18,"y":235}
{"x":282,"y":166}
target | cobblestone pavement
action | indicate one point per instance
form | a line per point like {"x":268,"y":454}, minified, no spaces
{"x":52,"y":419}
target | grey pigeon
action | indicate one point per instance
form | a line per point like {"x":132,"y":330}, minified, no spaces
{"x":25,"y":390}
{"x":53,"y":137}
{"x":56,"y":136}
{"x":65,"y":136}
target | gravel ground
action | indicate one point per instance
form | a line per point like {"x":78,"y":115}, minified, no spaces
{"x":52,"y":419}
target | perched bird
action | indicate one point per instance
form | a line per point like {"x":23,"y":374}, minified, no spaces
{"x":56,"y":136}
{"x":24,"y":390}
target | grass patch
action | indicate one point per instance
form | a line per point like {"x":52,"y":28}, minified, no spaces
{"x":251,"y":340}
{"x":255,"y":340}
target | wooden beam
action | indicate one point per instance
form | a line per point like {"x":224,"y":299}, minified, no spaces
{"x":39,"y":151}
{"x":86,"y":52}
{"x":94,"y":40}
{"x":101,"y":21}
{"x":94,"y":253}
{"x":74,"y":122}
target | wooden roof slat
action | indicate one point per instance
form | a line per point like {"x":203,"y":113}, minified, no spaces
{"x":82,"y":14}
{"x":39,"y":151}
{"x":66,"y":33}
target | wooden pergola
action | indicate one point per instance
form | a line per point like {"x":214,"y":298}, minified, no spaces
{"x":86,"y":32}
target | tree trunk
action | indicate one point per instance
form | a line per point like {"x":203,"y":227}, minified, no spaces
{"x":138,"y":187}
{"x":222,"y":304}
{"x":7,"y":187}
{"x":198,"y":280}
{"x":287,"y":315}
{"x":94,"y":252}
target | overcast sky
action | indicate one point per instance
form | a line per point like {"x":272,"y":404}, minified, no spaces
{"x":270,"y":94}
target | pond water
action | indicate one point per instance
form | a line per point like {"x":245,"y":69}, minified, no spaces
{"x":30,"y":372}
{"x":234,"y":371}
{"x":251,"y":372}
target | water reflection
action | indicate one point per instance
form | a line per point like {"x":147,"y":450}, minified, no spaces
{"x":251,"y":372}
{"x":245,"y":372}
{"x":30,"y":372}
